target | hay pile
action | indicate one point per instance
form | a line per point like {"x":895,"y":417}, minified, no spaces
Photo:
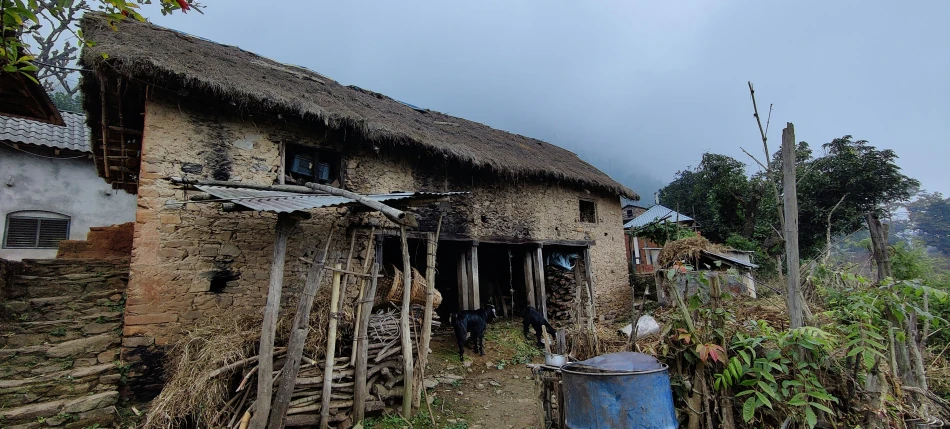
{"x":687,"y":249}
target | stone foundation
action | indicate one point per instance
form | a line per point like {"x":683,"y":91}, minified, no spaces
{"x":60,"y":332}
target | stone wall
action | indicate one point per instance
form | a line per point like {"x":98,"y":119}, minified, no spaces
{"x":102,"y":242}
{"x":60,"y":333}
{"x":191,"y":262}
{"x":8,"y":269}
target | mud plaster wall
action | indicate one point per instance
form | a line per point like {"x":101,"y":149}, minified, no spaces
{"x":177,"y":250}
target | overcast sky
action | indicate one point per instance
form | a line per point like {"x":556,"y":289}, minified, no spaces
{"x":639,"y":89}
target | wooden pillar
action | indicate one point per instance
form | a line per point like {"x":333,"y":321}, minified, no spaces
{"x":464,"y":295}
{"x":529,"y":279}
{"x":539,"y":280}
{"x":473,"y":268}
{"x":285,"y":223}
{"x":404,"y":328}
{"x":794,"y":296}
{"x":589,"y":273}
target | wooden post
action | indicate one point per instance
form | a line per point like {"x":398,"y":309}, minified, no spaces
{"x":794,"y":297}
{"x":473,"y":266}
{"x":298,"y":337}
{"x":359,"y":296}
{"x":285,"y":223}
{"x":398,"y":217}
{"x":464,"y":296}
{"x":432,"y":245}
{"x":346,"y":276}
{"x":539,"y":281}
{"x":404,"y":327}
{"x":529,"y":279}
{"x":282,"y":165}
{"x":331,"y":349}
{"x":366,"y":308}
{"x":589,"y":273}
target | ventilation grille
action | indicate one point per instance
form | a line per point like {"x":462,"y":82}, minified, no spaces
{"x":35,"y":233}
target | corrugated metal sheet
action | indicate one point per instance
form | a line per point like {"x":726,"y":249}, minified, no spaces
{"x":285,"y":202}
{"x":74,"y":136}
{"x":731,"y":259}
{"x":654,"y":213}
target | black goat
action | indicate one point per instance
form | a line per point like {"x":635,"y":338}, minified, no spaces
{"x":534,"y":318}
{"x":474,"y":322}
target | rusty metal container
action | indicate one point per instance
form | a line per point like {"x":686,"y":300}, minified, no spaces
{"x":618,"y":390}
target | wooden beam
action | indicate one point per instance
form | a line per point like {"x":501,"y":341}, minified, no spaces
{"x":794,"y":296}
{"x":285,"y":223}
{"x":529,"y":279}
{"x":104,"y":120}
{"x":432,"y":245}
{"x":589,"y":273}
{"x":331,"y":350}
{"x":473,"y":267}
{"x":405,"y":331}
{"x":298,"y":337}
{"x":539,"y":280}
{"x":397,"y":216}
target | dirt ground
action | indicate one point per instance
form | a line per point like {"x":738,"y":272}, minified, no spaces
{"x":491,"y":391}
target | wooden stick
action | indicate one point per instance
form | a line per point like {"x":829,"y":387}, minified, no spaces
{"x":431,"y":250}
{"x":539,"y":281}
{"x":529,"y":279}
{"x":346,"y":274}
{"x":404,"y":325}
{"x":285,"y":223}
{"x":359,"y":296}
{"x":476,"y":288}
{"x":362,"y":357}
{"x":397,"y":216}
{"x":298,"y":336}
{"x":331,"y":350}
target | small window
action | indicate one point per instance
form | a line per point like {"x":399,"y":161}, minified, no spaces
{"x":588,"y":211}
{"x":35,"y":230}
{"x":308,"y":164}
{"x":629,"y":212}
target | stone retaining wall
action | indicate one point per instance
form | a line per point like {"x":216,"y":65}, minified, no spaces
{"x":59,"y":343}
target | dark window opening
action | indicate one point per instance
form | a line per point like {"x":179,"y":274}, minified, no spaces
{"x":629,"y":212}
{"x":588,"y":211}
{"x":304,"y":164}
{"x":32,"y":232}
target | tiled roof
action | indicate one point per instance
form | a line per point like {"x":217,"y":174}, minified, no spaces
{"x":74,"y":136}
{"x":655,"y":213}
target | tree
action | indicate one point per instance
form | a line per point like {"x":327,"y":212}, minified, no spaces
{"x":66,"y":103}
{"x":930,"y":218}
{"x":49,"y":23}
{"x":835,"y":191}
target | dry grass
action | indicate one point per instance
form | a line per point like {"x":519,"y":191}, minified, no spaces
{"x":686,"y":249}
{"x":189,"y":395}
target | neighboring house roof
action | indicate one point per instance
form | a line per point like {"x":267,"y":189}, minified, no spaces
{"x":73,"y":136}
{"x":21,"y":95}
{"x":730,"y":259}
{"x":655,"y":213}
{"x":178,"y":61}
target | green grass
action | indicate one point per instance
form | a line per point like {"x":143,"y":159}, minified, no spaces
{"x":420,"y":420}
{"x":509,"y":340}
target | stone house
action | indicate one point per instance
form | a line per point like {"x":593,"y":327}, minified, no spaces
{"x":51,"y":191}
{"x":166,"y":104}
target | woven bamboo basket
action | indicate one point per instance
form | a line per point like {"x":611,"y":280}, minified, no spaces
{"x":389,"y":288}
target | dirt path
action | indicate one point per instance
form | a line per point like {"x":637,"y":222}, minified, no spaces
{"x":491,"y":391}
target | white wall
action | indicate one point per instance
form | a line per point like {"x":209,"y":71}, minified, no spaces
{"x":67,"y":186}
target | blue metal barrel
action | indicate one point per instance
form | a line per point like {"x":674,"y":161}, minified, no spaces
{"x":618,"y":390}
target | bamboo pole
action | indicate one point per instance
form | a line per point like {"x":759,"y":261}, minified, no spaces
{"x":331,"y":350}
{"x":359,"y":304}
{"x":298,"y":337}
{"x":794,"y":297}
{"x":346,"y":271}
{"x":404,"y":326}
{"x":398,"y":216}
{"x":285,"y":223}
{"x":366,"y":307}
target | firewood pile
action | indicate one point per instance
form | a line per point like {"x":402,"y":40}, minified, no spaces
{"x":561,"y":288}
{"x":384,"y":373}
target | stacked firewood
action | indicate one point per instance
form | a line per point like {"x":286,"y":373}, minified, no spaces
{"x":384,"y":375}
{"x":561,"y":288}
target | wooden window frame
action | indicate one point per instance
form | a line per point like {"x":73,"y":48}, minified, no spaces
{"x":580,"y":210}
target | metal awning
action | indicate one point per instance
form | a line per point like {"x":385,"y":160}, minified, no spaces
{"x":286,"y":202}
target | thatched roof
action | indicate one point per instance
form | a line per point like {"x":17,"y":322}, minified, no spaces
{"x":688,"y":249}
{"x":156,"y":54}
